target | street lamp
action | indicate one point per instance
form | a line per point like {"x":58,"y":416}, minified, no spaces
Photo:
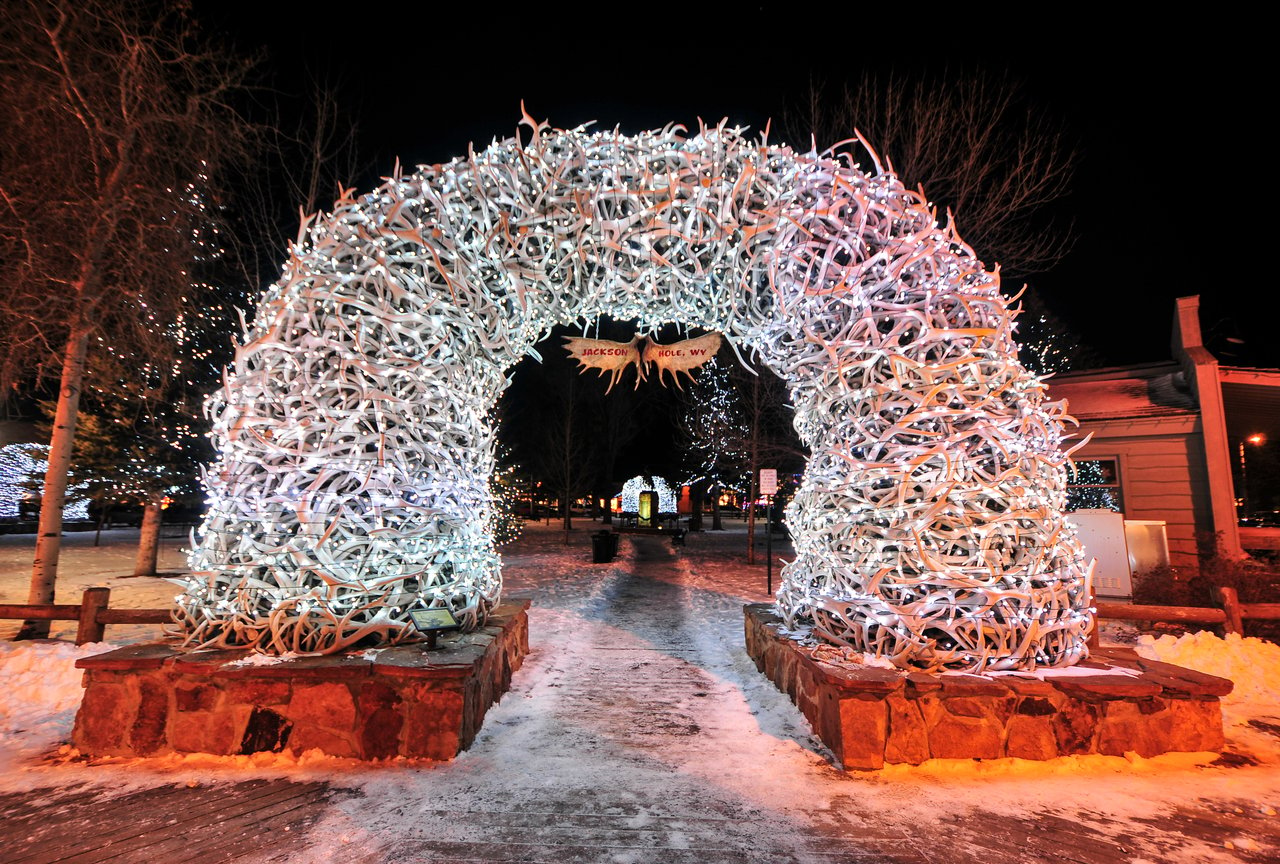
{"x":1255,"y":440}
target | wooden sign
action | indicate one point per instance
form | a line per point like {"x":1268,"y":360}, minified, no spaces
{"x":612,"y":357}
{"x":685,"y":356}
{"x":616,"y":357}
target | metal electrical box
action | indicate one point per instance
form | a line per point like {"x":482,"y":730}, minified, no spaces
{"x":1103,"y":536}
{"x":1148,"y":544}
{"x":1122,"y":547}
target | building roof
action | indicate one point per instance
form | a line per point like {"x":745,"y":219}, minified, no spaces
{"x":1148,"y":390}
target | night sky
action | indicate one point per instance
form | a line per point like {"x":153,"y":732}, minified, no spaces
{"x":1168,"y":166}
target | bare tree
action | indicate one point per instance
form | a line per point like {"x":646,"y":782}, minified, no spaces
{"x":565,"y":455}
{"x":310,"y":154}
{"x":613,"y":428}
{"x":771,"y":440}
{"x":976,"y":144}
{"x":119,"y":120}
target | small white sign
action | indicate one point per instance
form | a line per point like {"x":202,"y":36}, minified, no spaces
{"x":768,"y":481}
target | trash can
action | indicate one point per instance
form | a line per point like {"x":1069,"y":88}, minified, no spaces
{"x":613,"y":544}
{"x":602,"y":547}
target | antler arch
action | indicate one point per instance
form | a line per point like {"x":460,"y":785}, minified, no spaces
{"x":355,"y":448}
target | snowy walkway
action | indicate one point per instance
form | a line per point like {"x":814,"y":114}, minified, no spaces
{"x":639,"y":731}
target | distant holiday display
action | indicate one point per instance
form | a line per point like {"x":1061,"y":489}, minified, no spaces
{"x":22,"y":468}
{"x":633,"y":488}
{"x":617,"y":357}
{"x":356,"y":449}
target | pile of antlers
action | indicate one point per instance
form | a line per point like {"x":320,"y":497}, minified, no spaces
{"x":354,"y":432}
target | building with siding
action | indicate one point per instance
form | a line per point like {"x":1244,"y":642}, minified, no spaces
{"x":1164,"y":438}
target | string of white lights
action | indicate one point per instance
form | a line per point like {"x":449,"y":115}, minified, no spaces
{"x":356,"y":450}
{"x":22,"y":467}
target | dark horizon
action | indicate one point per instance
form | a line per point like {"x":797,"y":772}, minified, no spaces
{"x":1121,"y":91}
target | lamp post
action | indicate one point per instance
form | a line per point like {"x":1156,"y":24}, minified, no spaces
{"x":1244,"y":475}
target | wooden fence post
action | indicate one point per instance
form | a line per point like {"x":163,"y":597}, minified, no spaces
{"x":1231,"y":606}
{"x":93,"y":601}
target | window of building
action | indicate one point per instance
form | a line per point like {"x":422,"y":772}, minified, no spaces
{"x":1095,"y":486}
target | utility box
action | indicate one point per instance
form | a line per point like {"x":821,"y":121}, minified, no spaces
{"x":1122,"y":547}
{"x":1148,"y":544}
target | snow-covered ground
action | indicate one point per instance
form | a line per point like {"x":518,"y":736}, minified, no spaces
{"x":82,"y":565}
{"x":639,"y":724}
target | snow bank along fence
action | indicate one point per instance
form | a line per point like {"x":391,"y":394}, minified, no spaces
{"x":92,"y":613}
{"x":1230,"y":614}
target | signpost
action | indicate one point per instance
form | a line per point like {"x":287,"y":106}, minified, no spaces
{"x":769,"y":487}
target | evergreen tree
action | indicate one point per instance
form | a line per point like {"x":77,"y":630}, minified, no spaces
{"x":1048,"y":344}
{"x":715,"y":435}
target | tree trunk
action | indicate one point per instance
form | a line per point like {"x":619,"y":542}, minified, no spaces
{"x":695,"y":507}
{"x":44,"y":568}
{"x":715,"y":509}
{"x":102,"y":520}
{"x":149,"y":539}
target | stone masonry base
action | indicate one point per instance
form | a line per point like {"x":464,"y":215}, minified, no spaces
{"x":151,"y":699}
{"x":868,"y":716}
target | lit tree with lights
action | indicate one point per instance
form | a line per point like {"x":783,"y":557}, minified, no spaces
{"x":505,"y":519}
{"x":94,"y":477}
{"x":111,"y":111}
{"x":157,"y":408}
{"x":715,"y":435}
{"x":1048,"y":344}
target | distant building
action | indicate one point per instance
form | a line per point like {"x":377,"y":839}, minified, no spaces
{"x":1167,"y":437}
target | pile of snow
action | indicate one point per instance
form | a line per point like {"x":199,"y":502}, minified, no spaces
{"x":264,"y":659}
{"x":1252,"y":664}
{"x":41,"y":687}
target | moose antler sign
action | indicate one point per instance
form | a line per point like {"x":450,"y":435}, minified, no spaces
{"x":616,"y":357}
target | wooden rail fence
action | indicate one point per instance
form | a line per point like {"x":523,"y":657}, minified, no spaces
{"x":1230,"y":614}
{"x":92,"y":613}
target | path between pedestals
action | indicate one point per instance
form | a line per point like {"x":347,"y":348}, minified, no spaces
{"x":637,"y":731}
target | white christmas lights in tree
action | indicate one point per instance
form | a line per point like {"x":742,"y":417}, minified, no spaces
{"x":715,"y":431}
{"x":22,"y":467}
{"x":506,"y":522}
{"x":356,"y":452}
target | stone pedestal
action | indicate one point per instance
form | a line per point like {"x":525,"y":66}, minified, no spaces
{"x":868,"y":716}
{"x":150,"y":699}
